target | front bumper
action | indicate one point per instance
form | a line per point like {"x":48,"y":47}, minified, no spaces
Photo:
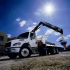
{"x":12,"y":50}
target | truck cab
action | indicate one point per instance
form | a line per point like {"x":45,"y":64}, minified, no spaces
{"x":25,"y":42}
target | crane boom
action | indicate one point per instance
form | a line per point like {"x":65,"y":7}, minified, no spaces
{"x":48,"y":25}
{"x":52,"y":27}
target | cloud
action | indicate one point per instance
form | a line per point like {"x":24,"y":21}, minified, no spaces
{"x":38,"y":37}
{"x":37,"y":13}
{"x":9,"y":35}
{"x":34,"y":23}
{"x":61,"y":38}
{"x":68,"y":35}
{"x":56,"y":33}
{"x":65,"y":37}
{"x":22,"y":23}
{"x":44,"y":38}
{"x":49,"y":31}
{"x":31,"y":28}
{"x":58,"y":39}
{"x":18,"y":19}
{"x":42,"y":35}
{"x":37,"y":31}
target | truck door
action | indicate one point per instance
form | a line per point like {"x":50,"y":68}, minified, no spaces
{"x":32,"y":41}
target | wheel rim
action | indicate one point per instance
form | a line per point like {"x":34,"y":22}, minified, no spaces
{"x":25,"y":52}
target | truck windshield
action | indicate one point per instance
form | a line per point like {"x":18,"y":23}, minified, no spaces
{"x":23,"y":36}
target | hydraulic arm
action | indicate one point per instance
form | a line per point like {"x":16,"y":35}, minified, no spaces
{"x":52,"y":27}
{"x":48,"y":25}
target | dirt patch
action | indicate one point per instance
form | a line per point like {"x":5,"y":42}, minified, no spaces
{"x":53,"y":62}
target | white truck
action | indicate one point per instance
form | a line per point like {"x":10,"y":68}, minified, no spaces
{"x":27,"y":44}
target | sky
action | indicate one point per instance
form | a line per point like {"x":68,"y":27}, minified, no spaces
{"x":19,"y":16}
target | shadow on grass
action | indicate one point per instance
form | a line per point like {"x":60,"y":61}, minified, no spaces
{"x":6,"y":59}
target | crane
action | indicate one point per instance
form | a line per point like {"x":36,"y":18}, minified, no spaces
{"x":26,"y":43}
{"x":57,"y":29}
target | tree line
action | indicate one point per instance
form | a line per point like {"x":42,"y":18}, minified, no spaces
{"x":68,"y":47}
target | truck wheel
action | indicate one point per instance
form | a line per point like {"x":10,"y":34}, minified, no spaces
{"x":47,"y":51}
{"x":52,"y":50}
{"x":24,"y":52}
{"x":12,"y":55}
{"x":57,"y":51}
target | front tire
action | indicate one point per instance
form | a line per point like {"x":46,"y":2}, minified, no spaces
{"x":24,"y":52}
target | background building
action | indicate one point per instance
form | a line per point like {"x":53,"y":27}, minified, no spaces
{"x":3,"y":40}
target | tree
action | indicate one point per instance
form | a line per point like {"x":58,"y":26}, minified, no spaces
{"x":68,"y":47}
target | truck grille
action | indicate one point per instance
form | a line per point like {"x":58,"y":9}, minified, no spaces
{"x":8,"y":44}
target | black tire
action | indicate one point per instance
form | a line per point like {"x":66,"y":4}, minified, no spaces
{"x":24,"y":52}
{"x":52,"y":50}
{"x":57,"y":51}
{"x":12,"y":55}
{"x":47,"y":51}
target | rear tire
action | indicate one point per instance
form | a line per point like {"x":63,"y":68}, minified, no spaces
{"x":48,"y":51}
{"x":24,"y":52}
{"x":53,"y":50}
{"x":57,"y":51}
{"x":12,"y":55}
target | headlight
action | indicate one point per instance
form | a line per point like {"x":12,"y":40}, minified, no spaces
{"x":16,"y":44}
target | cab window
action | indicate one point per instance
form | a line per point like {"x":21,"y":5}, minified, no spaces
{"x":23,"y":36}
{"x":32,"y":36}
